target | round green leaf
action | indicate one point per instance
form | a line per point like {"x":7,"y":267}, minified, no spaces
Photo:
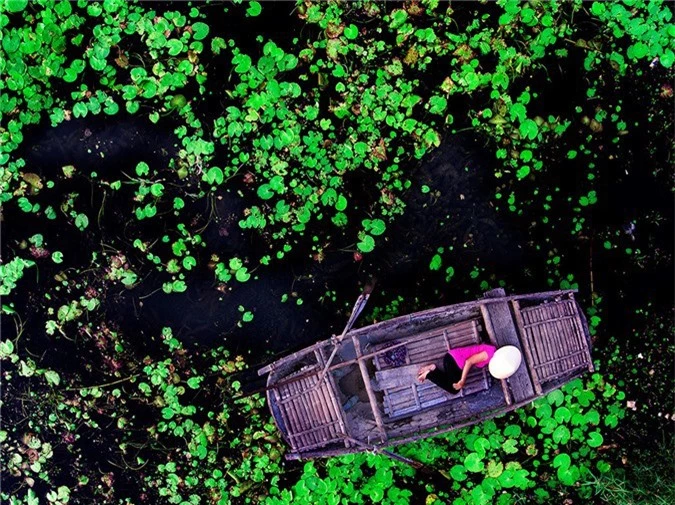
{"x":529,"y":129}
{"x":254,"y":9}
{"x":265,"y":192}
{"x":175,"y":47}
{"x":495,"y":468}
{"x":15,"y":5}
{"x":562,"y":460}
{"x":473,"y":463}
{"x":458,"y":472}
{"x":341,"y":203}
{"x":351,"y":32}
{"x":595,"y":439}
{"x":142,"y":169}
{"x":377,"y":227}
{"x":568,"y":475}
{"x":561,"y":435}
{"x":242,"y":275}
{"x":200,"y":30}
{"x":367,"y":243}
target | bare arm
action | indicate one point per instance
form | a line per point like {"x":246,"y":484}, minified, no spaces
{"x":476,"y":358}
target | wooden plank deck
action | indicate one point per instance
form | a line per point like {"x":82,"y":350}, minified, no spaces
{"x":505,"y":333}
{"x":554,"y":332}
{"x":312,"y":416}
{"x":403,"y":395}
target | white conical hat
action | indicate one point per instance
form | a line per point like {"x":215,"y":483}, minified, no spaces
{"x":505,"y":362}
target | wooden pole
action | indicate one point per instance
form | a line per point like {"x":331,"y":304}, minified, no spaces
{"x":417,"y":465}
{"x":369,"y":390}
{"x":358,"y":307}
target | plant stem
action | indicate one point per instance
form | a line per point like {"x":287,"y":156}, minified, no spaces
{"x":103,"y":385}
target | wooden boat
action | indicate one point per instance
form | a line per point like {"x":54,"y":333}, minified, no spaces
{"x":360,"y":393}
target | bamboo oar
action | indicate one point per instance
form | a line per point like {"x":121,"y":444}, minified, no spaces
{"x":358,"y":307}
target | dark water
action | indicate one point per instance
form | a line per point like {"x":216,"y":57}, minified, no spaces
{"x":203,"y":314}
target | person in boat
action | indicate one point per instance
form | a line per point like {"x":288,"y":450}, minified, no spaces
{"x":502,"y":363}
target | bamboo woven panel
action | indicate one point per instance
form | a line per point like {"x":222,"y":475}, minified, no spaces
{"x":405,"y":400}
{"x":309,"y":414}
{"x":555,"y":336}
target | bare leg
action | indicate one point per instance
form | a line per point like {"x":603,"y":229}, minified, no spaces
{"x":424,"y":371}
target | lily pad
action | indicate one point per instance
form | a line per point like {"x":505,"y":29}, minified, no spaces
{"x":200,"y":30}
{"x":474,"y":463}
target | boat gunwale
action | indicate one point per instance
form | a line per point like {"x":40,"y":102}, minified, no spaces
{"x":280,"y":369}
{"x":409,"y":319}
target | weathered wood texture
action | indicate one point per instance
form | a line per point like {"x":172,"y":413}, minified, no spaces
{"x":403,"y":395}
{"x":369,"y":390}
{"x":310,"y":412}
{"x":549,"y":328}
{"x":487,"y":322}
{"x":438,"y":429}
{"x":554,"y":333}
{"x":520,"y":383}
{"x":413,"y":323}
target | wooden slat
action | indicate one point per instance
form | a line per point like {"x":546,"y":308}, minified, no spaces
{"x":558,"y":343}
{"x":337,"y":405}
{"x":561,"y":318}
{"x":310,"y":410}
{"x":292,"y":422}
{"x":304,"y":418}
{"x":540,"y":365}
{"x":319,"y":431}
{"x":285,"y":419}
{"x":491,"y":335}
{"x":526,"y":347}
{"x":369,"y":391}
{"x":537,"y":339}
{"x":520,"y":383}
{"x":401,"y":400}
{"x":578,"y":325}
{"x":568,"y":341}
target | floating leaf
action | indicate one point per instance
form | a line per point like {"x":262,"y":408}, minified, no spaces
{"x":142,"y":169}
{"x":242,"y":62}
{"x":562,"y":460}
{"x":561,"y":435}
{"x":595,"y":439}
{"x":495,"y":468}
{"x":265,"y":192}
{"x":194,"y":382}
{"x":15,"y":5}
{"x":367,"y":243}
{"x":214,"y":175}
{"x":458,"y":472}
{"x":376,"y":227}
{"x":351,"y":32}
{"x":473,"y":462}
{"x":341,"y":203}
{"x":529,"y":129}
{"x":81,"y":221}
{"x":52,"y":377}
{"x":200,"y":30}
{"x":254,"y":9}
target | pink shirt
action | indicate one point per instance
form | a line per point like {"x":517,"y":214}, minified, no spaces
{"x":461,"y":354}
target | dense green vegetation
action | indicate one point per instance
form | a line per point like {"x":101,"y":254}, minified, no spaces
{"x":313,"y":139}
